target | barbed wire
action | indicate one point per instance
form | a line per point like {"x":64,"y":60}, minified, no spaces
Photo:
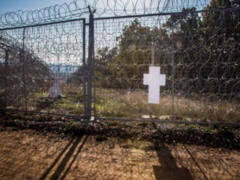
{"x":48,"y":14}
{"x":79,"y":8}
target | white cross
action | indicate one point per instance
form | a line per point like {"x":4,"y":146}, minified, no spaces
{"x":154,"y":80}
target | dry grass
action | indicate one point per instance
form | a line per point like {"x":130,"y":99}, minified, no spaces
{"x":133,"y":104}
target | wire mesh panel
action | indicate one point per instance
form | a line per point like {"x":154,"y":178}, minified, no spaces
{"x":196,"y":48}
{"x":45,"y":67}
{"x":125,"y":48}
{"x":12,"y":69}
{"x":198,"y":51}
{"x":207,"y":65}
{"x":2,"y":78}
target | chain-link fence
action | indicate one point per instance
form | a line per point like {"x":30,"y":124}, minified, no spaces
{"x":54,"y":63}
{"x":40,"y":65}
{"x":198,"y":51}
{"x":197,"y":48}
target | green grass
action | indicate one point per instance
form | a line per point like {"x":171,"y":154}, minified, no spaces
{"x":124,"y":104}
{"x":136,"y":144}
{"x":216,"y":129}
{"x":116,"y":103}
{"x":70,"y":103}
{"x":39,"y":95}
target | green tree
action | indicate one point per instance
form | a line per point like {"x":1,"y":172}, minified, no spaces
{"x":221,"y":40}
{"x":186,"y":34}
{"x":206,"y":51}
{"x":126,"y":63}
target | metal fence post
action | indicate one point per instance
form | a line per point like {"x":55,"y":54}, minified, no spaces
{"x":6,"y":78}
{"x":90,"y":63}
{"x":84,"y":67}
{"x":23,"y":70}
{"x":173,"y":73}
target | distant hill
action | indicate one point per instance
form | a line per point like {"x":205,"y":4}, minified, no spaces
{"x":63,"y":68}
{"x":20,"y":77}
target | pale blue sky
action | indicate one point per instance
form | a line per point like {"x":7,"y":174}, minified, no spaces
{"x":14,"y":5}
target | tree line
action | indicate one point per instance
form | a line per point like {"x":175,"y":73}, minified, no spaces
{"x":22,"y":73}
{"x":201,"y":50}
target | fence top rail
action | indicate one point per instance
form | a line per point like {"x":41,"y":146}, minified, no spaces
{"x":43,"y":24}
{"x":121,"y":17}
{"x":168,"y":13}
{"x":79,"y":8}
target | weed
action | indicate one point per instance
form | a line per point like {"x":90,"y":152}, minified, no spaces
{"x":225,"y":132}
{"x":137,"y":144}
{"x":192,"y":128}
{"x":69,"y":126}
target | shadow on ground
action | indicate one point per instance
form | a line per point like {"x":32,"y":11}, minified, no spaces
{"x":26,"y":154}
{"x":168,"y":169}
{"x":64,"y":161}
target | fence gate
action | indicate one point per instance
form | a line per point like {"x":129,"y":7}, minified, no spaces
{"x":45,"y":70}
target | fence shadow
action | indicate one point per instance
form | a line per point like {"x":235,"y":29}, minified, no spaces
{"x":168,"y":169}
{"x":66,"y":161}
{"x":64,"y":174}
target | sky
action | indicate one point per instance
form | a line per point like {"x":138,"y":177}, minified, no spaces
{"x":14,"y":5}
{"x":108,"y":30}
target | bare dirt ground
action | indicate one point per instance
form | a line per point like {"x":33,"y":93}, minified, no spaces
{"x":28,"y":154}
